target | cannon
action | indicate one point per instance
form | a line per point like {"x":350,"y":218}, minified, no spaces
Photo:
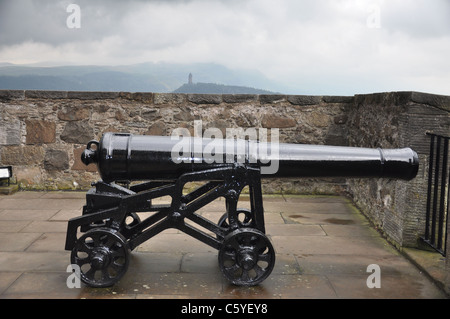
{"x":136,"y":169}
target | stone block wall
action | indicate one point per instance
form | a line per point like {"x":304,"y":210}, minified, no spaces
{"x":43,"y":133}
{"x":391,"y":120}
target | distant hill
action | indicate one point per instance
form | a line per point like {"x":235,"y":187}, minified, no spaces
{"x":212,"y":88}
{"x":95,"y":81}
{"x":144,"y":77}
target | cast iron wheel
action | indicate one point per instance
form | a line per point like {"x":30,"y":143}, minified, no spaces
{"x":245,"y":219}
{"x":102,"y":255}
{"x":246,"y":257}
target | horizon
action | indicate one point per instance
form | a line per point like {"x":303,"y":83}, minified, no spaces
{"x":186,"y":82}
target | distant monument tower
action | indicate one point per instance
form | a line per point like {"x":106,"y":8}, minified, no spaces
{"x":190,"y":78}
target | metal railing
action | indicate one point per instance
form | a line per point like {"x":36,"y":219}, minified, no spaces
{"x":438,"y":193}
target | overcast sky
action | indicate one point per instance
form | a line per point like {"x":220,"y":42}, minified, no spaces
{"x":334,"y":47}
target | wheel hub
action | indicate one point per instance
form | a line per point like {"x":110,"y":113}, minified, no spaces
{"x":100,"y":258}
{"x":247,"y":259}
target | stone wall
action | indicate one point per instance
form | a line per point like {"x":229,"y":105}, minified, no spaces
{"x":397,"y":119}
{"x":43,"y":133}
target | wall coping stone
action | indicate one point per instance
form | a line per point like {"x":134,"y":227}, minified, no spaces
{"x":38,"y":94}
{"x":239,"y":98}
{"x":204,"y":98}
{"x":436,"y":100}
{"x":403,"y":97}
{"x":81,"y":95}
{"x":396,"y":97}
{"x":12,"y":94}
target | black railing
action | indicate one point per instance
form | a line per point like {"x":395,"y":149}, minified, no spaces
{"x":438,"y":193}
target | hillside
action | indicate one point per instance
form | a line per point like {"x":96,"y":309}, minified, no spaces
{"x":212,"y":88}
{"x":144,"y":77}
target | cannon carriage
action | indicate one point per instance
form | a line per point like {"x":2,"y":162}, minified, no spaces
{"x":135,"y":170}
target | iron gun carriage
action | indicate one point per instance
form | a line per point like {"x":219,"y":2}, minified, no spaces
{"x":100,"y":240}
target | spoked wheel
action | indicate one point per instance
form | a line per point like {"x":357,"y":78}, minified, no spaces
{"x":244,"y":216}
{"x":102,"y":255}
{"x":246,"y":257}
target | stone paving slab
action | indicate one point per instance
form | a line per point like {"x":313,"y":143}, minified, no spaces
{"x":323,"y":248}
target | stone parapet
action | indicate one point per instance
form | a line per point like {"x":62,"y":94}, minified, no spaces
{"x":38,"y":125}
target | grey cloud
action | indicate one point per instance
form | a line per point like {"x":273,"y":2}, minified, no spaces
{"x":45,"y":20}
{"x":298,"y":41}
{"x":416,"y":19}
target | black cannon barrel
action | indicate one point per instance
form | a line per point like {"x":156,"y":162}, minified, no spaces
{"x":130,"y":157}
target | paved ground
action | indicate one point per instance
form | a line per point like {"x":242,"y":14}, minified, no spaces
{"x":323,"y":249}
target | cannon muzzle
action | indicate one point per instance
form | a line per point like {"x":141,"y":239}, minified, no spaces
{"x":127,"y":157}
